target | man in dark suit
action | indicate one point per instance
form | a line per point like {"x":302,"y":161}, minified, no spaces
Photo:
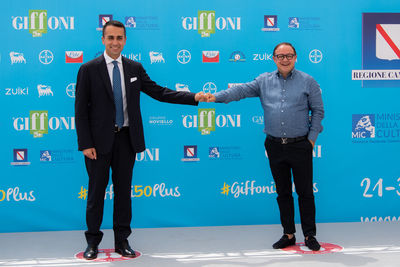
{"x":110,"y":131}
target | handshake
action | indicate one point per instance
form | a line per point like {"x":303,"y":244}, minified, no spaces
{"x":202,"y":97}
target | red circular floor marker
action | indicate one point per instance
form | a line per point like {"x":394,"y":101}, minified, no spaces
{"x":107,"y":255}
{"x":301,"y":248}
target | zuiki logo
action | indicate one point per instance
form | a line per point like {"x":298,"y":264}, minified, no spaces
{"x":132,"y":56}
{"x":376,"y":128}
{"x":270,"y":23}
{"x":156,"y":57}
{"x":17,"y":91}
{"x":262,"y":57}
{"x":363,"y":126}
{"x":190,"y":153}
{"x":206,"y":23}
{"x":17,"y":58}
{"x":20,"y":156}
{"x":380,"y":50}
{"x":38,"y":123}
{"x":206,"y":121}
{"x":73,"y":56}
{"x":44,"y":90}
{"x":237,"y":56}
{"x":37,"y":22}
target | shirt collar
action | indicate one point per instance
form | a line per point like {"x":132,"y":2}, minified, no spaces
{"x":109,"y":59}
{"x":290,"y":75}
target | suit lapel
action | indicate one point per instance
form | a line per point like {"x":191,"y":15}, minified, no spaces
{"x":105,"y":76}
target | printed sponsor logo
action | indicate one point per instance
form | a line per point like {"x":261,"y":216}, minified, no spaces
{"x":17,"y":58}
{"x":44,"y":90}
{"x":70,"y":90}
{"x":16,"y":195}
{"x":210,"y":56}
{"x":46,"y":57}
{"x":156,"y":57}
{"x":270,"y":23}
{"x":132,"y":56}
{"x":206,"y":23}
{"x":57,"y":156}
{"x":73,"y":56}
{"x":103,"y":19}
{"x":190,"y":153}
{"x":38,"y":123}
{"x":146,"y":23}
{"x":209,"y":87}
{"x":180,"y":87}
{"x":315,"y":56}
{"x":20,"y":157}
{"x":183,"y":56}
{"x":380,"y":50}
{"x":206,"y":121}
{"x":160,"y":121}
{"x":16,"y":91}
{"x":237,"y":56}
{"x":38,"y":23}
{"x":376,"y":128}
{"x":304,"y":23}
{"x":224,"y":153}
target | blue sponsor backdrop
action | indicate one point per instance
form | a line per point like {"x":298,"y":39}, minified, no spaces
{"x":203,"y":165}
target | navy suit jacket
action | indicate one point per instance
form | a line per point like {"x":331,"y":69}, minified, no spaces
{"x":95,"y":108}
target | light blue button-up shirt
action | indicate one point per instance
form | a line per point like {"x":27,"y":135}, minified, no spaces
{"x":292,"y":107}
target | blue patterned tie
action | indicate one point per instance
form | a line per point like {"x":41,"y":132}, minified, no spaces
{"x":119,"y":117}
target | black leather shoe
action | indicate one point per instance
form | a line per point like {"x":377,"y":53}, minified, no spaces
{"x":312,"y":243}
{"x":125,"y":250}
{"x":91,"y":253}
{"x":284,"y":242}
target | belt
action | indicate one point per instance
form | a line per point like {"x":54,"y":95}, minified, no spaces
{"x":117,"y":129}
{"x":286,"y":140}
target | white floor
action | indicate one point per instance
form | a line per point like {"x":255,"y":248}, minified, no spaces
{"x":370,"y":244}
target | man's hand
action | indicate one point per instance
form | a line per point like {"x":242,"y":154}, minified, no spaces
{"x":90,"y":153}
{"x":200,"y":97}
{"x":210,"y":97}
{"x":312,"y":142}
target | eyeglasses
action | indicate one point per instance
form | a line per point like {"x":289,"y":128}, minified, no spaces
{"x":282,"y":56}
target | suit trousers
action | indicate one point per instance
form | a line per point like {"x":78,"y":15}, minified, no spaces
{"x":121,"y":160}
{"x":296,"y":158}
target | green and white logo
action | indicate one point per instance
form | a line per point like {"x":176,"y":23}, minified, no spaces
{"x":206,"y":120}
{"x":206,"y":22}
{"x":37,"y":22}
{"x":39,"y":122}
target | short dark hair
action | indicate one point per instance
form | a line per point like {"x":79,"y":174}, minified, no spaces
{"x":284,"y":43}
{"x":114,"y":23}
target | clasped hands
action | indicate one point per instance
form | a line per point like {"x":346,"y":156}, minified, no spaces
{"x":202,"y":97}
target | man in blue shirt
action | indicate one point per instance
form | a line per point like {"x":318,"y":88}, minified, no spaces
{"x":288,"y":97}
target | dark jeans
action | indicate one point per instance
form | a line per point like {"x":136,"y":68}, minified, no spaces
{"x":296,"y":158}
{"x":121,"y":160}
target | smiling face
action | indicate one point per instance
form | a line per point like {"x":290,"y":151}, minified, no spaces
{"x":285,"y":65}
{"x":114,"y":40}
